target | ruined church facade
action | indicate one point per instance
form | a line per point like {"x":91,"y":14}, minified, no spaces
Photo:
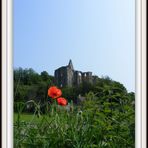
{"x":66,"y":76}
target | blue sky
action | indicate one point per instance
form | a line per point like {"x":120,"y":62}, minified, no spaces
{"x":98,"y":35}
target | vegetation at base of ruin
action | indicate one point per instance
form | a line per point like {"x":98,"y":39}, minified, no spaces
{"x":104,"y":119}
{"x":29,"y":85}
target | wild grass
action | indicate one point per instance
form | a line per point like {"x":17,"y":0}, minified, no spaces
{"x":92,"y":125}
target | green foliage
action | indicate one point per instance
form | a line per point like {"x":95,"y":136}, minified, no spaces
{"x":69,"y":93}
{"x":29,"y":85}
{"x":104,"y":119}
{"x":93,"y":124}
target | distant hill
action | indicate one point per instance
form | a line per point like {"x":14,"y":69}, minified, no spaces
{"x":29,"y":85}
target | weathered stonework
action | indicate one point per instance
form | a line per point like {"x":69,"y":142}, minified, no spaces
{"x":67,"y":76}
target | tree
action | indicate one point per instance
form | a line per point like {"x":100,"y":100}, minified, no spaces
{"x":44,"y":76}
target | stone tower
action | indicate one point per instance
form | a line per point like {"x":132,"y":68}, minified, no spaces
{"x":66,"y":76}
{"x":70,"y":65}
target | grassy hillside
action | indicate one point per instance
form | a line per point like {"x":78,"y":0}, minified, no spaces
{"x":104,"y":118}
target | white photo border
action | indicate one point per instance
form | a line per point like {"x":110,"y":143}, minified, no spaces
{"x":140,"y":108}
{"x":7,"y":74}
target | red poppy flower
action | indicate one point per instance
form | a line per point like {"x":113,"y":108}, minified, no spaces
{"x":62,"y":101}
{"x":54,"y":92}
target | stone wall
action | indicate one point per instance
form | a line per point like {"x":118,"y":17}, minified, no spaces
{"x":61,"y":77}
{"x":67,"y":76}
